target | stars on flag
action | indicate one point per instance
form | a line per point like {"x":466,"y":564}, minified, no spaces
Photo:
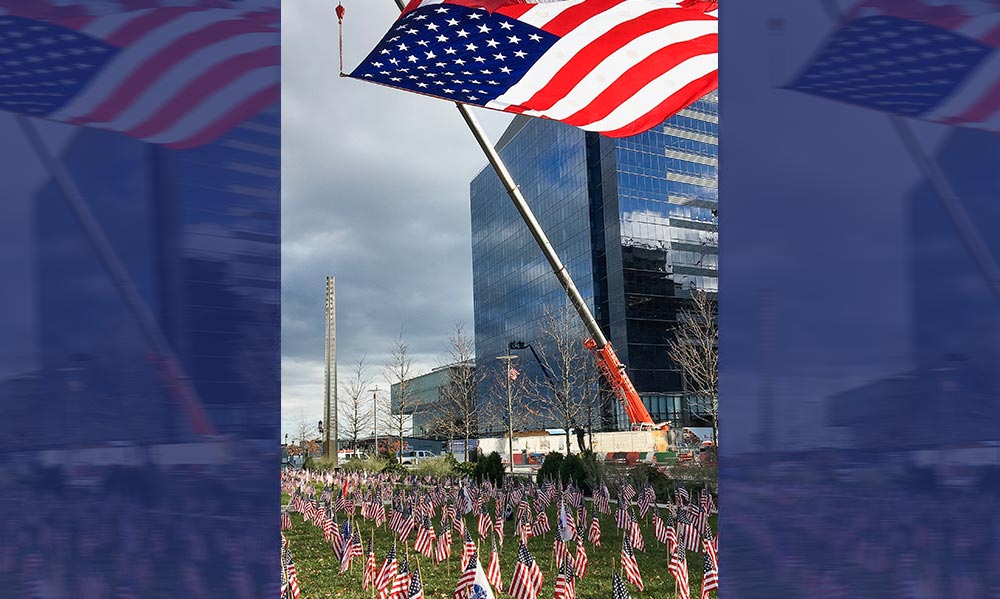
{"x":462,"y":39}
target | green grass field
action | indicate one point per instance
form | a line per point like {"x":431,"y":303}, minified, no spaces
{"x":319,"y":578}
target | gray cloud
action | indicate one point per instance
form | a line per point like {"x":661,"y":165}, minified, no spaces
{"x":375,"y":192}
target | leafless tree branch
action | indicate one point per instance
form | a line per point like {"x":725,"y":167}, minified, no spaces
{"x":695,"y":349}
{"x":355,"y":409}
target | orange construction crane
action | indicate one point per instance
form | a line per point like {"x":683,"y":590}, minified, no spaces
{"x":614,"y":373}
{"x":611,"y":367}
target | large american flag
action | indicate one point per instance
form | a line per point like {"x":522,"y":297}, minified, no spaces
{"x":618,"y":67}
{"x":928,"y":59}
{"x":173,"y":72}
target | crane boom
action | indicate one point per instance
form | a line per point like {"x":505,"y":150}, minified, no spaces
{"x":614,"y":373}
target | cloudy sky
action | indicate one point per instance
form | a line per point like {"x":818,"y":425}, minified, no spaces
{"x":375,"y":191}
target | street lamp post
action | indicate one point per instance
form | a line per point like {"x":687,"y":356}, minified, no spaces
{"x":375,"y":417}
{"x":507,"y":360}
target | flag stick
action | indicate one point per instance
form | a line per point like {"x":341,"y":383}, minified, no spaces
{"x":419,"y":573}
{"x":350,"y":525}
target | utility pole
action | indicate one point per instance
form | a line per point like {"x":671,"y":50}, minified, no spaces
{"x":375,"y":416}
{"x":507,"y":360}
{"x":330,"y":379}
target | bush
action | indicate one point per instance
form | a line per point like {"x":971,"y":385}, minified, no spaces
{"x":443,"y":465}
{"x":594,"y":471}
{"x":695,"y":475}
{"x":661,"y":483}
{"x":320,"y":464}
{"x":571,"y":469}
{"x":465,"y":469}
{"x":550,"y":466}
{"x":489,"y":468}
{"x":368,"y":464}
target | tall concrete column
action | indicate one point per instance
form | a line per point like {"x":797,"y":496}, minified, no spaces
{"x":330,"y":378}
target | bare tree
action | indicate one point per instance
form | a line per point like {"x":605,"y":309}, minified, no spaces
{"x":398,"y":372}
{"x":355,"y":403}
{"x":594,"y":397}
{"x":563,"y":396}
{"x":460,"y":413}
{"x":304,"y":428}
{"x":695,"y":350}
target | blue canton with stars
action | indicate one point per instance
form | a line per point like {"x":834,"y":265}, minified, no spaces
{"x":890,"y":64}
{"x":478,"y":592}
{"x":42,"y":66}
{"x":453,"y":52}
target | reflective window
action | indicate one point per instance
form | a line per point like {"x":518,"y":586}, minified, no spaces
{"x":635,"y":241}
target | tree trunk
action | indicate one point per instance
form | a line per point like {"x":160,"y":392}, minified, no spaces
{"x":715,"y":424}
{"x":466,"y":443}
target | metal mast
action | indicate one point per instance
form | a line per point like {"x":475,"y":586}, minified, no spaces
{"x":529,"y":219}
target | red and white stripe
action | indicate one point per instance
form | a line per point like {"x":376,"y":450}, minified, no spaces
{"x":183,"y":75}
{"x":493,"y":571}
{"x":370,"y":571}
{"x":581,"y":561}
{"x":443,"y":549}
{"x":678,"y":569}
{"x":594,"y":535}
{"x":466,"y":580}
{"x":619,"y":68}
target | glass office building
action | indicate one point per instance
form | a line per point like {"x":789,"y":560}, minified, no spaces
{"x":634,"y":220}
{"x":427,"y":407}
{"x":198,"y":234}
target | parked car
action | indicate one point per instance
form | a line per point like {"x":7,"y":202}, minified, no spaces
{"x":412,"y":458}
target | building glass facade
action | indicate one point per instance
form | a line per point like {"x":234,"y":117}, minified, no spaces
{"x":634,"y":220}
{"x":426,"y":404}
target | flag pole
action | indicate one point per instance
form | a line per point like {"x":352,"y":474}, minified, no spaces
{"x":513,"y":190}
